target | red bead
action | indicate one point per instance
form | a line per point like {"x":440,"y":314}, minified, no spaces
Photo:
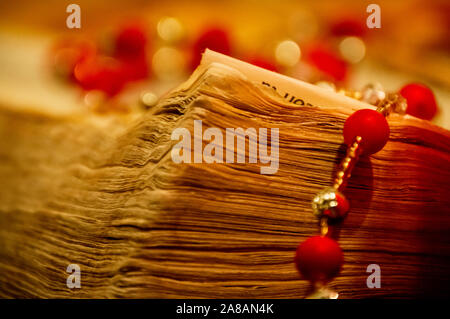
{"x":136,"y":69}
{"x":67,"y":53}
{"x":319,"y":259}
{"x":264,"y":63}
{"x":340,"y":210}
{"x":328,"y":62}
{"x":371,"y":126}
{"x":130,"y":42}
{"x":215,"y":39}
{"x":101,"y":73}
{"x":131,"y":46}
{"x":348,"y":26}
{"x":421,"y":101}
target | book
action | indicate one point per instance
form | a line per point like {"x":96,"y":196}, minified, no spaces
{"x":165,"y":206}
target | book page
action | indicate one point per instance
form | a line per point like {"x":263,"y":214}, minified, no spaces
{"x":291,"y":90}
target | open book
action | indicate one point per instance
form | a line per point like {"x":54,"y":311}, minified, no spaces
{"x":208,"y":195}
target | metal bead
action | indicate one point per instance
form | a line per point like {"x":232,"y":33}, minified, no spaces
{"x":401,"y":105}
{"x":323,"y":293}
{"x":148,"y":99}
{"x":331,"y":203}
{"x":373,"y":94}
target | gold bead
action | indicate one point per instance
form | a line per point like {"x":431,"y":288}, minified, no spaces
{"x":329,"y":202}
{"x":373,"y":94}
{"x":323,"y":293}
{"x":148,"y":99}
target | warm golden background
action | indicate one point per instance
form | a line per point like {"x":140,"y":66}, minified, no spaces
{"x":412,"y":44}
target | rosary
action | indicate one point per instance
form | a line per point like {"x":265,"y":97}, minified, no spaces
{"x":319,"y":259}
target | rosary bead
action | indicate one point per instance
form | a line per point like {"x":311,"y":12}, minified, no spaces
{"x":319,"y":259}
{"x":371,"y":126}
{"x":214,"y":38}
{"x":327,"y":61}
{"x":331,"y":203}
{"x":421,"y":101}
{"x":130,"y":42}
{"x":373,"y":93}
{"x":264,"y":63}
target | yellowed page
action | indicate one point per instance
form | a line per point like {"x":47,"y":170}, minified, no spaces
{"x":292,"y":90}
